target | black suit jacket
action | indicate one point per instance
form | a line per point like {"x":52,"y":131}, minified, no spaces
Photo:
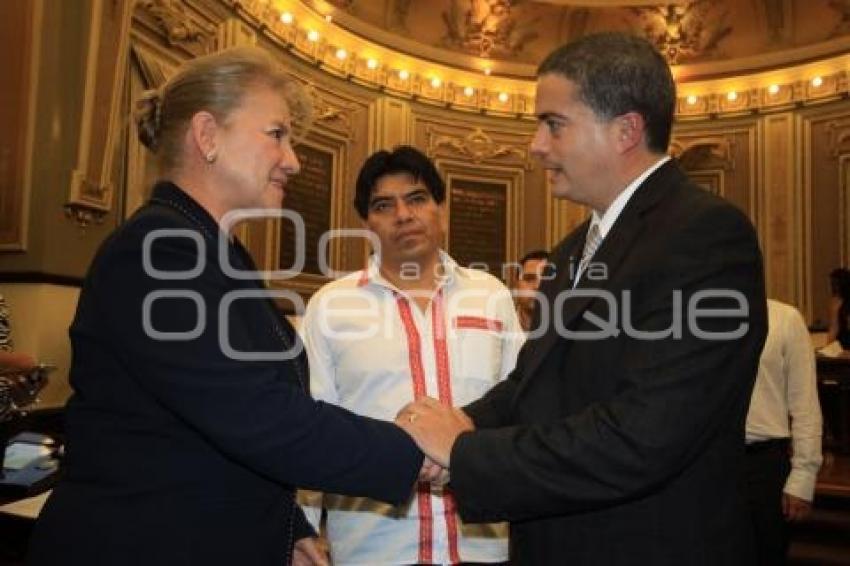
{"x":178,"y":453}
{"x":622,"y":450}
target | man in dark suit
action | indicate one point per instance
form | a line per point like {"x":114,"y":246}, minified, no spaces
{"x":618,"y":439}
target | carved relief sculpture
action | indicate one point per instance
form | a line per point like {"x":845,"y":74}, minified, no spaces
{"x":477,"y":145}
{"x":682,"y":32}
{"x":843,"y":9}
{"x":488,"y":28}
{"x":175,"y":22}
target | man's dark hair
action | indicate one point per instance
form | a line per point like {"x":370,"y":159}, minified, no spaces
{"x":617,"y":73}
{"x":402,"y":159}
{"x":534,"y":254}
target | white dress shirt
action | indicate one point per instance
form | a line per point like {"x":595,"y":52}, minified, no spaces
{"x":612,"y":213}
{"x":786,"y":386}
{"x":372,"y":350}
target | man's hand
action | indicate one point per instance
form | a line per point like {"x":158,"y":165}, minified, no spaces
{"x":794,"y":508}
{"x":434,"y":427}
{"x":308,"y":552}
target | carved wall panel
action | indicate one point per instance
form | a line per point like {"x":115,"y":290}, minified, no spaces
{"x":488,"y":204}
{"x":825,"y":152}
{"x":780,"y":224}
{"x":18,"y":73}
{"x":730,"y":148}
{"x":91,"y":192}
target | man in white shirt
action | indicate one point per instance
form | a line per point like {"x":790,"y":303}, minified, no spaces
{"x":413,"y":323}
{"x":780,"y":490}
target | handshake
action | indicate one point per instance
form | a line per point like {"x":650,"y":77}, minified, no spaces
{"x":435,"y":428}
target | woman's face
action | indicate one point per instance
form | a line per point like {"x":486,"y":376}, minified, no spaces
{"x":254,"y":151}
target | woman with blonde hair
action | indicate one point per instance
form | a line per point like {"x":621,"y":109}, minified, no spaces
{"x":190,"y":425}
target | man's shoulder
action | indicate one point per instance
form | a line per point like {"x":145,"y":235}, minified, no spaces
{"x":479,"y":278}
{"x":353,"y":280}
{"x":350,"y":284}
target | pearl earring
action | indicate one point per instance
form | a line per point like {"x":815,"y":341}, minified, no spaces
{"x":210,"y":156}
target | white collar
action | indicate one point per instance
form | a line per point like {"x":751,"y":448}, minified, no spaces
{"x":372,"y":273}
{"x":613,"y":212}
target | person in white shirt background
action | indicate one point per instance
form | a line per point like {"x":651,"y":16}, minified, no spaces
{"x":784,"y":406}
{"x":413,"y":323}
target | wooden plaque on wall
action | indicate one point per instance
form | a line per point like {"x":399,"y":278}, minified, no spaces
{"x":477,"y":220}
{"x":308,"y":194}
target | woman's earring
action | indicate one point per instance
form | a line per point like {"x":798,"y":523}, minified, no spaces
{"x":210,"y":156}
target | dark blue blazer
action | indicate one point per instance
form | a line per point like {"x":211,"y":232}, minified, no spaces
{"x":624,"y":450}
{"x":178,"y":453}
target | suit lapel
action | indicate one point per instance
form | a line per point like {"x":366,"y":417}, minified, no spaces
{"x":623,"y":237}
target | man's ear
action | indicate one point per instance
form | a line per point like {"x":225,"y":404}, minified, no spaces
{"x":629,"y":129}
{"x":203,"y":134}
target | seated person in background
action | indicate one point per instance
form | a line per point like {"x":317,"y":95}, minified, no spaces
{"x":533,"y":263}
{"x":413,"y":323}
{"x":190,"y":424}
{"x":839,"y":288}
{"x":784,"y":407}
{"x":20,"y":376}
{"x":838,"y":335}
{"x":9,"y":359}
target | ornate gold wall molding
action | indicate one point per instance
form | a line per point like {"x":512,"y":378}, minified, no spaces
{"x":337,"y":116}
{"x":839,"y":136}
{"x":91,"y":191}
{"x":19,"y":34}
{"x":825,"y":155}
{"x":695,"y":152}
{"x":478,"y":146}
{"x":178,"y":26}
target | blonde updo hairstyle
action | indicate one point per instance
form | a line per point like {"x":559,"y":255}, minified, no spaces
{"x":214,"y":83}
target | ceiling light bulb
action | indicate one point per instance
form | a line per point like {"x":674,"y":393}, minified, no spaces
{"x":286,"y":18}
{"x":732,"y":96}
{"x":487,"y":71}
{"x":313,"y":35}
{"x":372,"y":64}
{"x":692,"y":99}
{"x":436,"y":82}
{"x":403,"y":75}
{"x":503,"y":97}
{"x":773,"y":89}
{"x":469,"y":91}
{"x":817,"y":82}
{"x":341,"y":53}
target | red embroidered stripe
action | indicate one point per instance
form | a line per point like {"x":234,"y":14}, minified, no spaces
{"x":423,"y":489}
{"x":364,"y":278}
{"x":478,"y":323}
{"x":438,"y":326}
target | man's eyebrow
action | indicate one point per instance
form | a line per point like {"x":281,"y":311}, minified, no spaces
{"x":379,"y":198}
{"x":546,"y":115}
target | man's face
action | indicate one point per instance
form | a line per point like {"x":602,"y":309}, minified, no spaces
{"x":529,"y":281}
{"x":408,"y":222}
{"x":575,"y":147}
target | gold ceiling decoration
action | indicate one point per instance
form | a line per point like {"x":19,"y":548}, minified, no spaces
{"x":333,"y":37}
{"x":487,"y":28}
{"x":684,"y":32}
